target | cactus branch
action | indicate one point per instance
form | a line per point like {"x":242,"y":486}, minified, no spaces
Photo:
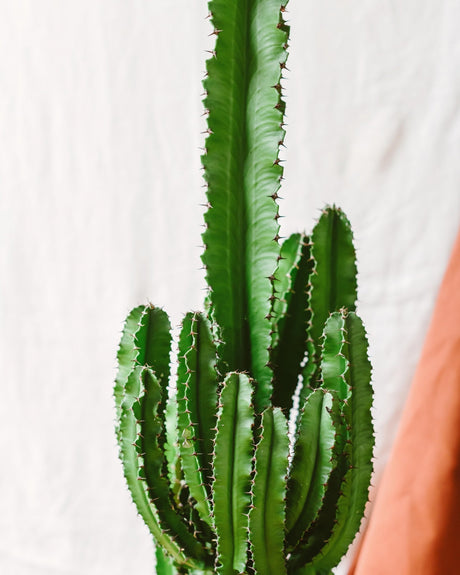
{"x":333,"y":279}
{"x":197,"y":399}
{"x":267,"y":516}
{"x":358,"y":451}
{"x":154,"y":464}
{"x":127,"y":358}
{"x":232,"y":470}
{"x":131,"y":456}
{"x":317,"y":426}
{"x":291,"y":318}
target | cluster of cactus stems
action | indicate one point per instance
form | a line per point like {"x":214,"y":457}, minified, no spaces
{"x":223,"y":481}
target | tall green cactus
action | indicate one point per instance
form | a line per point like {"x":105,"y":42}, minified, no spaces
{"x":214,"y":473}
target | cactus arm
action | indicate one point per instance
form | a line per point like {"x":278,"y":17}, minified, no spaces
{"x":291,"y":318}
{"x":321,"y":529}
{"x":146,"y":340}
{"x":333,"y":280}
{"x":243,"y":172}
{"x":185,"y":433}
{"x":201,"y":364}
{"x":355,"y":487}
{"x":266,"y":519}
{"x":290,"y":254}
{"x":154,"y":343}
{"x":322,"y":555}
{"x":233,"y":452}
{"x":126,"y":356}
{"x":310,"y":501}
{"x":197,"y":399}
{"x":305,"y":453}
{"x":357,"y":480}
{"x":154,"y":465}
{"x":334,"y":366}
{"x":131,"y":457}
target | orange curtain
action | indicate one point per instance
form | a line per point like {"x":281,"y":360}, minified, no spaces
{"x":414,"y":528}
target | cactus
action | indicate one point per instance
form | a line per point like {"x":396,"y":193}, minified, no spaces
{"x":212,"y":468}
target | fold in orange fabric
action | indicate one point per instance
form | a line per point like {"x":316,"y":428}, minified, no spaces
{"x":414,"y":528}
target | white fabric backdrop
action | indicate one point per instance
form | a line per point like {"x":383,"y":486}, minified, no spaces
{"x":100,"y":191}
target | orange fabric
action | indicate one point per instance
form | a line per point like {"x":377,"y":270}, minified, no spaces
{"x":414,"y":528}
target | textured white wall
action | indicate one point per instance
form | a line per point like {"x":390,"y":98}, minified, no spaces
{"x":100,"y":191}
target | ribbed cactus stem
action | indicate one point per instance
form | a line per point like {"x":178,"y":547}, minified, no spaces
{"x":197,"y":398}
{"x":207,"y":457}
{"x":233,"y":452}
{"x":267,"y":515}
{"x":291,"y":318}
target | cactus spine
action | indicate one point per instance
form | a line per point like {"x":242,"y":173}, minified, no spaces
{"x":209,"y":468}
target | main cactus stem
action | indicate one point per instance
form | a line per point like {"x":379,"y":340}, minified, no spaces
{"x":214,"y":473}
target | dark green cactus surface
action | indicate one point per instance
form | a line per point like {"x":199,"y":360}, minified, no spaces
{"x":257,"y":458}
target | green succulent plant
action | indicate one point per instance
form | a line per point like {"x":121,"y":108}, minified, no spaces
{"x":221,"y":478}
